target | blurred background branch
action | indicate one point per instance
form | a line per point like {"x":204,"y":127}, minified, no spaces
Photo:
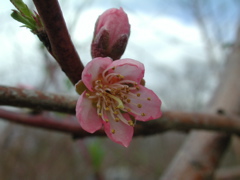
{"x":207,"y":148}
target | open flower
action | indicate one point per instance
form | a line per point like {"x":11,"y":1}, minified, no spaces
{"x":111,"y":34}
{"x":114,"y":98}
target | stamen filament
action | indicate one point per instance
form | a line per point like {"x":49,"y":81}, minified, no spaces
{"x":120,"y":116}
{"x":118,"y":100}
{"x":110,"y":75}
{"x":127,"y":108}
{"x":128,"y":82}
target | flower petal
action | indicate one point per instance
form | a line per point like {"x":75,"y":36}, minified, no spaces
{"x":145,"y":103}
{"x":122,"y":132}
{"x":115,"y":21}
{"x":129,"y":68}
{"x":87,"y":114}
{"x":93,"y":69}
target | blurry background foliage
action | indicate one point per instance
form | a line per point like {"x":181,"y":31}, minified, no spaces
{"x":183,"y":44}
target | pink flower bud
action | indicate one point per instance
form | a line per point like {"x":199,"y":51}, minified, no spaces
{"x":111,"y":34}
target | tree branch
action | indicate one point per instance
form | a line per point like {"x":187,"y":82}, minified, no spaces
{"x":61,"y":45}
{"x":36,"y":100}
{"x":41,"y":121}
{"x":169,"y":121}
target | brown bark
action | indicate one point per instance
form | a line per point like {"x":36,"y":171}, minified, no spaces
{"x":170,"y":120}
{"x":202,"y":151}
{"x":36,"y":100}
{"x":177,"y":121}
{"x":61,"y":45}
{"x":167,"y":122}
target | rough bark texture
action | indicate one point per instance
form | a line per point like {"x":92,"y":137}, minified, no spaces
{"x":60,"y":41}
{"x":202,"y":151}
{"x":36,"y":100}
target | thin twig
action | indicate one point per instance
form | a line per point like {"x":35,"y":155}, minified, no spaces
{"x":61,"y":45}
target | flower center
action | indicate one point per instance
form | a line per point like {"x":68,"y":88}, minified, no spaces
{"x":110,"y":99}
{"x":113,"y":94}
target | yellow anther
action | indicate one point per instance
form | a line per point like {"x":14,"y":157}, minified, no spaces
{"x":143,"y":114}
{"x":130,"y":123}
{"x":120,"y":76}
{"x":128,"y":100}
{"x":113,"y":131}
{"x":139,"y":105}
{"x":98,"y":81}
{"x":137,"y":88}
{"x":128,"y":110}
{"x":116,"y":112}
{"x":107,"y":109}
{"x":98,"y":106}
{"x":113,"y":68}
{"x":100,"y":114}
{"x":106,"y":120}
{"x":117,"y":119}
{"x":87,"y":94}
{"x":149,"y":99}
{"x":138,"y":94}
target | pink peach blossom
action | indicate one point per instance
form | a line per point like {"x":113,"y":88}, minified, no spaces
{"x":114,"y":98}
{"x":111,"y":34}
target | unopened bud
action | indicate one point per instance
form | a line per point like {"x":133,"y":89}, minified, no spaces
{"x":111,"y":34}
